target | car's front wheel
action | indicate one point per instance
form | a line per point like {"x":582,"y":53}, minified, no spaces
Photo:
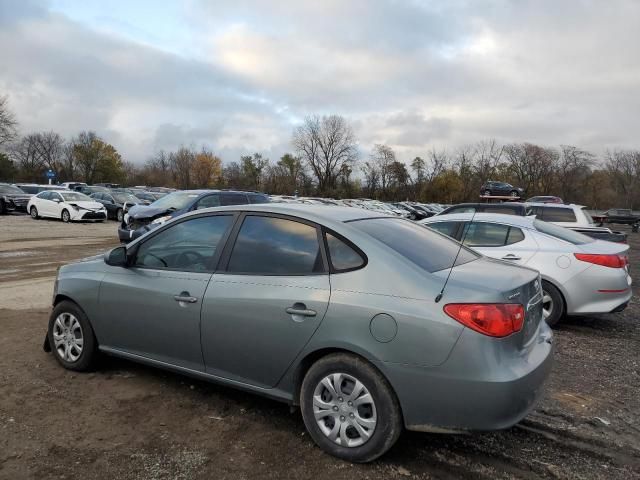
{"x":514,"y":193}
{"x":34,"y":213}
{"x":349,"y":408}
{"x":119,"y":215}
{"x":66,"y":216}
{"x":71,"y":337}
{"x":487,"y":192}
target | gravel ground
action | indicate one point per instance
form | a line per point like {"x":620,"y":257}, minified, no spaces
{"x":129,"y":421}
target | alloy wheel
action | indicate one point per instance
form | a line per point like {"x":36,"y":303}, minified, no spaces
{"x":65,"y":216}
{"x":34,"y":213}
{"x":68,"y":337}
{"x":344,"y":410}
{"x":547,"y":304}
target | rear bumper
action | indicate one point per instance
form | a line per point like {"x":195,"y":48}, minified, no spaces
{"x":597,"y":290}
{"x":476,"y":389}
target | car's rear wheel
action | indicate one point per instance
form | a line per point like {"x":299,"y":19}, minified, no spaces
{"x":71,"y":337}
{"x":349,"y":408}
{"x":34,"y":213}
{"x":119,"y":215}
{"x":66,"y":216}
{"x":514,"y":193}
{"x":552,"y":304}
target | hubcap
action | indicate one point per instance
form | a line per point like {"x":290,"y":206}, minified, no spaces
{"x":547,"y":304}
{"x":65,"y":216}
{"x":34,"y":213}
{"x":67,"y":337}
{"x":344,"y":410}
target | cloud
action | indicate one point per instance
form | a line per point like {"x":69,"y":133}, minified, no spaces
{"x":237,"y":76}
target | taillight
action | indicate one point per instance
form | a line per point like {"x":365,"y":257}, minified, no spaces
{"x":493,"y":319}
{"x":612,"y":261}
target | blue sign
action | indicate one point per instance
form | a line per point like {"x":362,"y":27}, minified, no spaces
{"x":50,"y":174}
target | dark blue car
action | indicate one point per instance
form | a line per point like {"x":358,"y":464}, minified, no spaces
{"x":142,"y":218}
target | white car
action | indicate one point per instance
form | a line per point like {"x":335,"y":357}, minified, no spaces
{"x":65,"y":205}
{"x":580,"y":275}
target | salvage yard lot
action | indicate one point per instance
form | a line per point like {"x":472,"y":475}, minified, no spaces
{"x":130,"y":421}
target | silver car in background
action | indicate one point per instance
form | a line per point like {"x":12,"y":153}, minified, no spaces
{"x":338,"y":310}
{"x":580,"y":275}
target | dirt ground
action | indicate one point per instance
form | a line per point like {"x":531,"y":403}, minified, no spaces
{"x":129,"y":421}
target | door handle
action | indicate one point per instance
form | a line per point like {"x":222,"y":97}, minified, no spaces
{"x":300,"y":309}
{"x":185,"y":297}
{"x":511,"y":256}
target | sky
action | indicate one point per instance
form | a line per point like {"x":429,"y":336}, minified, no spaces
{"x":238,"y":76}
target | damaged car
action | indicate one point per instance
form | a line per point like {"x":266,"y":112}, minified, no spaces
{"x":66,"y":205}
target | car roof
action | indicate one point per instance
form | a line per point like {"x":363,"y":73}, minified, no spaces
{"x":323,"y":214}
{"x":555,"y":205}
{"x":513,"y":220}
{"x":480,"y":204}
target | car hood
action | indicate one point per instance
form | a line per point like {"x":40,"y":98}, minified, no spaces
{"x":147,"y":211}
{"x":17,"y":196}
{"x":87,"y":205}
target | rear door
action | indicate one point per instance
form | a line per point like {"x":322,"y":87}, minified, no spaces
{"x":268,"y":300}
{"x":500,"y":241}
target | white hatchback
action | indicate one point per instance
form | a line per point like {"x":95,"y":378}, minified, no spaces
{"x":65,"y":205}
{"x":580,"y":275}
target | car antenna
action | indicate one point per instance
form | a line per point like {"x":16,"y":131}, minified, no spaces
{"x":464,"y":236}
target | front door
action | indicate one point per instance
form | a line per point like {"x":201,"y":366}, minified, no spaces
{"x":152,"y":308}
{"x":259,"y":313}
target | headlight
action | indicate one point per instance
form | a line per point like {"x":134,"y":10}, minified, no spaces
{"x":161,"y":219}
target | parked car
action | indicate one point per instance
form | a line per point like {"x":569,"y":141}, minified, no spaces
{"x":142,"y":218}
{"x":329,"y":308}
{"x":117,"y":203}
{"x":66,"y":205}
{"x":544,"y":199}
{"x":507,"y":208}
{"x":12,"y":199}
{"x":580,"y":275}
{"x":108,"y":185}
{"x":73,"y":185}
{"x":33,"y":188}
{"x":492,"y":188}
{"x":575,"y":217}
{"x":623,"y":216}
{"x":91,"y":189}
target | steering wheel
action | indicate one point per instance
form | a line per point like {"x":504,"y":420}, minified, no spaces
{"x":191,"y":257}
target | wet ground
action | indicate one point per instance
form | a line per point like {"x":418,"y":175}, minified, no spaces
{"x":128,"y":421}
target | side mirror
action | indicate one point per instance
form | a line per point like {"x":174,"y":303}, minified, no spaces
{"x":57,"y":200}
{"x":116,"y":257}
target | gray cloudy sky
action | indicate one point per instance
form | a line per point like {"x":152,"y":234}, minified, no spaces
{"x":238,"y":75}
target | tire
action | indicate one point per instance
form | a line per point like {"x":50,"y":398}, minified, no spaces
{"x":65,"y":216}
{"x":34,"y":213}
{"x":384,"y":408}
{"x":67,"y":325}
{"x":119,"y":215}
{"x":487,"y":193}
{"x":3,"y":208}
{"x":552,"y":296}
{"x":514,"y":193}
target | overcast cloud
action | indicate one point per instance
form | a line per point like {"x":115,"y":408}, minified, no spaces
{"x":237,"y":76}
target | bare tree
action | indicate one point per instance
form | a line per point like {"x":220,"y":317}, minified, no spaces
{"x":50,"y":147}
{"x":8,"y":123}
{"x":383,"y":157}
{"x":25,"y":154}
{"x":624,"y":171}
{"x":325,"y":144}
{"x":182,"y":162}
{"x":573,"y":168}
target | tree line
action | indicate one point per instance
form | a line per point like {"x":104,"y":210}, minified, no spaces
{"x":325,"y":161}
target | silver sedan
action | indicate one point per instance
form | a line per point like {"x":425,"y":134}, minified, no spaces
{"x":580,"y":275}
{"x":358,"y":319}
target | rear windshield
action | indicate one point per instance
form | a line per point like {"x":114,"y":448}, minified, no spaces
{"x":562,"y":233}
{"x":427,"y":249}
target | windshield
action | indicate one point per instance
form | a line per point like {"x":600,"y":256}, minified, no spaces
{"x":175,"y":200}
{"x":75,"y":197}
{"x":562,"y":233}
{"x":125,"y":197}
{"x":10,"y":189}
{"x":427,"y":249}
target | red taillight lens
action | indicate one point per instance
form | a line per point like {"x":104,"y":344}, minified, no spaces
{"x":493,"y":319}
{"x":612,"y":261}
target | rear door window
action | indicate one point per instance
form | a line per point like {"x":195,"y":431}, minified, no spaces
{"x":276,"y":246}
{"x":555,"y":214}
{"x":419,"y":245}
{"x":233,"y":199}
{"x":483,"y":234}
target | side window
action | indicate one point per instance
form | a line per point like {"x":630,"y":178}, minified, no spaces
{"x":233,"y":199}
{"x":341,"y":255}
{"x":551,"y":214}
{"x":276,"y":246}
{"x":515,"y":235}
{"x":481,"y":234}
{"x":208,"y":201}
{"x":258,"y":198}
{"x":45,"y":196}
{"x":447,"y":228}
{"x":189,"y":246}
{"x":55,"y":196}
